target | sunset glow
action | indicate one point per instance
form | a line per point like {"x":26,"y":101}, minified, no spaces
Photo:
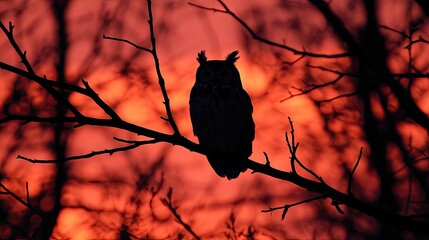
{"x":356,"y":135}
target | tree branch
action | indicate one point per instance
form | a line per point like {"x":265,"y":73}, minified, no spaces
{"x":57,"y":95}
{"x":255,"y":36}
{"x":161,"y":80}
{"x":27,"y":203}
{"x":129,"y":42}
{"x":133,"y":144}
{"x":349,"y":188}
{"x":169,"y":204}
{"x":287,"y":206}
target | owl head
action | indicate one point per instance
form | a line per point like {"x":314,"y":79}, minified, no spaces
{"x":218,"y":72}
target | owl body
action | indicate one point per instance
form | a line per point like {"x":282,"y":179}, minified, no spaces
{"x":221,"y":114}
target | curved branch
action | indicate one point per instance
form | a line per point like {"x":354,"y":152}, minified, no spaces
{"x":255,"y":36}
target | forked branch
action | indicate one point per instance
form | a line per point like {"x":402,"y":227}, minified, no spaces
{"x":154,"y":54}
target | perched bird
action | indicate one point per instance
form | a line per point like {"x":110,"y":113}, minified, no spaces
{"x":221,"y":115}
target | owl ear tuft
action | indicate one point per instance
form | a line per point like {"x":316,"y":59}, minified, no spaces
{"x":202,"y":57}
{"x":232,"y":57}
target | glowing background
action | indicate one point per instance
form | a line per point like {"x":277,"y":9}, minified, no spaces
{"x":103,"y":191}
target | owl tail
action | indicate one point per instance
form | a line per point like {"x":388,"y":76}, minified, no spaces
{"x":229,"y":167}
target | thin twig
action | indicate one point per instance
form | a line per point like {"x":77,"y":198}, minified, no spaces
{"x":350,"y":94}
{"x":231,"y":225}
{"x":349,"y":188}
{"x":293,"y":158}
{"x":419,"y":40}
{"x":313,"y":87}
{"x":291,"y":146}
{"x":22,"y":55}
{"x":287,"y":206}
{"x":127,"y":41}
{"x":404,"y":35}
{"x":28,"y":193}
{"x":336,"y":204}
{"x":414,"y":162}
{"x":169,"y":204}
{"x":111,"y":151}
{"x":20,"y":200}
{"x":350,"y":74}
{"x":267,"y":160}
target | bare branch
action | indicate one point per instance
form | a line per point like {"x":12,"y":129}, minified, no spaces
{"x":154,"y":54}
{"x":292,"y":147}
{"x":94,"y":96}
{"x":349,"y":74}
{"x":169,"y":204}
{"x":27,"y":203}
{"x":22,"y":55}
{"x":255,"y":36}
{"x":292,"y":150}
{"x":394,"y":30}
{"x":111,"y":151}
{"x":350,"y":94}
{"x":129,"y":42}
{"x":399,"y":221}
{"x":314,"y":87}
{"x":336,"y":204}
{"x":57,"y":95}
{"x":267,"y":160}
{"x":287,"y":206}
{"x":161,"y":80}
{"x":349,"y":188}
{"x":419,"y":40}
{"x":207,"y":8}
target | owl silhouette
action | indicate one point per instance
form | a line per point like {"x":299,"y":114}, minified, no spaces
{"x":221,"y":115}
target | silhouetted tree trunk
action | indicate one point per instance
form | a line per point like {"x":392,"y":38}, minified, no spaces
{"x":61,"y":131}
